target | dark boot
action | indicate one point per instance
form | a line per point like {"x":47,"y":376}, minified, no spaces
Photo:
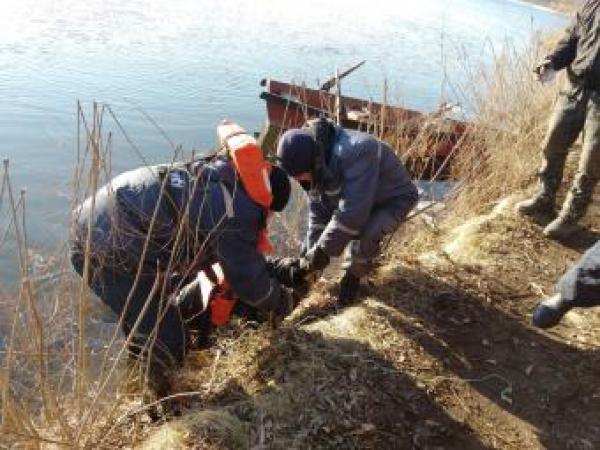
{"x":550,"y":176}
{"x":549,"y":313}
{"x":574,"y":208}
{"x":349,"y":286}
{"x":542,"y":205}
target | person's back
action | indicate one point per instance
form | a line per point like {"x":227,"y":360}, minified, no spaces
{"x":137,"y":215}
{"x":356,"y":150}
{"x":129,"y":211}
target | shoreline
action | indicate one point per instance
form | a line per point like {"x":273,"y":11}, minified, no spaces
{"x":551,"y":7}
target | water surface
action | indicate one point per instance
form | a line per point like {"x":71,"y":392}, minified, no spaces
{"x":190,"y":63}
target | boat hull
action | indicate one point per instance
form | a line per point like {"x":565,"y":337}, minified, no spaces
{"x":426,"y":142}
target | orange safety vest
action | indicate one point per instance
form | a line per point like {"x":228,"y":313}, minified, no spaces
{"x":248,"y":161}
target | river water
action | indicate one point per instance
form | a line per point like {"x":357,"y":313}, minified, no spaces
{"x":190,"y":63}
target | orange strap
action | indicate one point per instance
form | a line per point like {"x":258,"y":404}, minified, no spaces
{"x":222,"y":304}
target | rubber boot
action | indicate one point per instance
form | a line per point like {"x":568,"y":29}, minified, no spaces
{"x":543,"y":203}
{"x":574,"y":208}
{"x":549,"y":312}
{"x":349,"y":286}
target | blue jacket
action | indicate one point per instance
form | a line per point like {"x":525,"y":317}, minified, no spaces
{"x":219,"y":223}
{"x":360,"y":174}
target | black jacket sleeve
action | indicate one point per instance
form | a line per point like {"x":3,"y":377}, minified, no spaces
{"x":245,"y":269}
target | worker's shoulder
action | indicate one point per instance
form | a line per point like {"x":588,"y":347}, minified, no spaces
{"x":352,"y":146}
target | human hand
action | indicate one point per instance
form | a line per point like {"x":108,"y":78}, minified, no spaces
{"x":287,"y":271}
{"x":544,"y":72}
{"x":288,"y":301}
{"x":315,"y":260}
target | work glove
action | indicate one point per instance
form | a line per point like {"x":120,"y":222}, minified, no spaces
{"x":544,"y":72}
{"x":287,"y":271}
{"x":288,"y":301}
{"x":349,"y":286}
{"x":315,"y":260}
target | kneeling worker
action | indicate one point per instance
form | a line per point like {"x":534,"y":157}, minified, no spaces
{"x":359,"y":192}
{"x":151,"y":230}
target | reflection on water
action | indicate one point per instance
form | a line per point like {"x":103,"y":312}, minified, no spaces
{"x":190,"y":63}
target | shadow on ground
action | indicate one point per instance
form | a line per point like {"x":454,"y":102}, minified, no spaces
{"x":542,"y":382}
{"x":324,"y":392}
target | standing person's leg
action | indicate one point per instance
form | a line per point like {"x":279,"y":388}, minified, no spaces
{"x":565,"y":124}
{"x":588,"y":173}
{"x":384,"y":220}
{"x":578,"y":287}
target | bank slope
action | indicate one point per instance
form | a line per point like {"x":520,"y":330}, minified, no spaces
{"x":439,"y":353}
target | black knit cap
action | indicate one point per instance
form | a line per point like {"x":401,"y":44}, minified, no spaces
{"x":297,"y":151}
{"x":280,"y":188}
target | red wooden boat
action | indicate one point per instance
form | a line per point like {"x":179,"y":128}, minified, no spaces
{"x":426,"y":141}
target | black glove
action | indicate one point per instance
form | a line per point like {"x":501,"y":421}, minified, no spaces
{"x":194,"y":314}
{"x":349,"y":287}
{"x":287,"y":271}
{"x":315,"y":260}
{"x":288,"y":301}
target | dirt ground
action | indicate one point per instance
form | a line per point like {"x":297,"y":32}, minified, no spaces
{"x":440,"y":353}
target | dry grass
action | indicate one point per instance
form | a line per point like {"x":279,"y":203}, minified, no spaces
{"x":511,"y":113}
{"x":57,"y":386}
{"x":566,"y":6}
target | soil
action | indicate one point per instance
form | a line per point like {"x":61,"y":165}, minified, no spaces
{"x":439,"y":353}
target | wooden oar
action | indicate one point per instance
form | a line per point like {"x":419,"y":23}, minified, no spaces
{"x":332,"y":81}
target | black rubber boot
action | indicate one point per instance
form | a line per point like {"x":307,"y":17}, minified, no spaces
{"x":549,"y":313}
{"x":349,"y":287}
{"x":542,"y":205}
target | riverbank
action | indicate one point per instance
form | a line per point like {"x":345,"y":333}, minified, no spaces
{"x":440,"y":352}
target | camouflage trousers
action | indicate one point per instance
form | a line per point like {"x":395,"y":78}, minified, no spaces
{"x":577,"y":110}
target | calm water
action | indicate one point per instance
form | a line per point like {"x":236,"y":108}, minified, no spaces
{"x":190,"y":63}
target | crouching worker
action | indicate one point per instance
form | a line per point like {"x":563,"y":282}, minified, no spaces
{"x":359,"y":192}
{"x":150,"y":231}
{"x":579,"y":287}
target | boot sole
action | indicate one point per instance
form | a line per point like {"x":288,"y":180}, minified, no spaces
{"x":561,"y":234}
